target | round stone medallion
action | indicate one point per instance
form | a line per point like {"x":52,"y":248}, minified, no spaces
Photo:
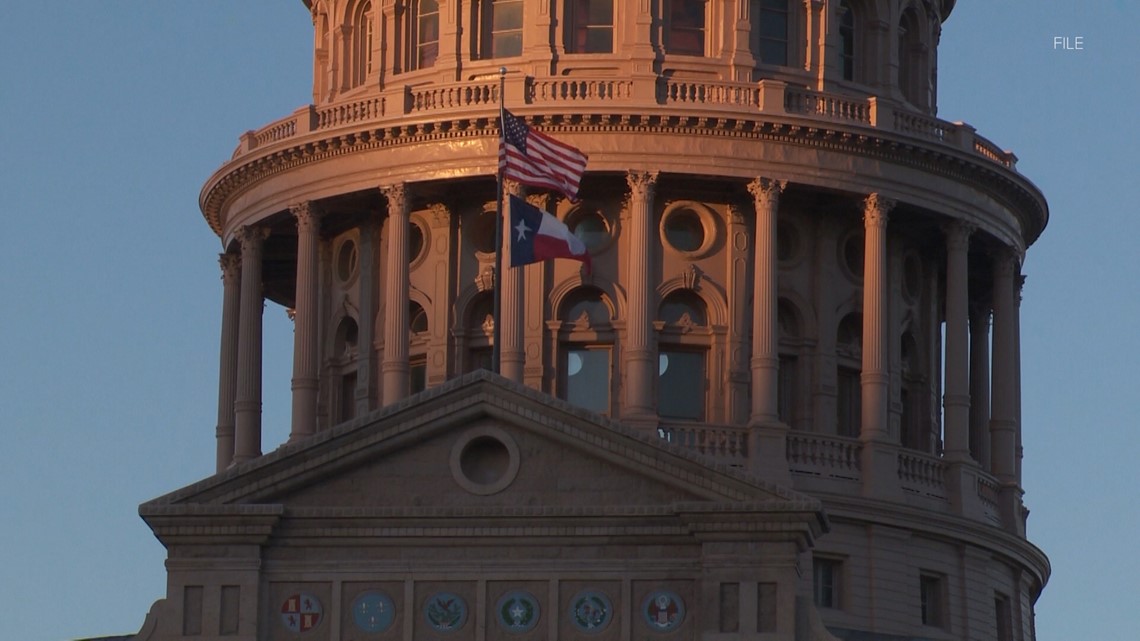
{"x":517,"y":611}
{"x":663,"y":610}
{"x":445,"y":612}
{"x":373,"y":612}
{"x":301,"y":612}
{"x":591,"y":611}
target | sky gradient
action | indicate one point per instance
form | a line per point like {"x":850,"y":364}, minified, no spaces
{"x":114,"y":113}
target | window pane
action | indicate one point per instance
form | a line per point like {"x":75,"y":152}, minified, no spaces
{"x":507,"y":15}
{"x":587,"y":377}
{"x":508,"y":44}
{"x":774,"y":53}
{"x":418,"y":373}
{"x":601,"y":12}
{"x":599,"y":40}
{"x":681,"y":384}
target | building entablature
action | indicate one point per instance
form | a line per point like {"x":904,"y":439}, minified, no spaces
{"x":807,"y":148}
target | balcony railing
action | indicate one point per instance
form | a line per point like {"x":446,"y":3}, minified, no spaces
{"x":738,"y":99}
{"x":725,"y":443}
{"x":827,"y":457}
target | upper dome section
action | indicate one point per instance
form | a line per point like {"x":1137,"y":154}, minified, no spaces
{"x":886,"y":48}
{"x":839,"y":94}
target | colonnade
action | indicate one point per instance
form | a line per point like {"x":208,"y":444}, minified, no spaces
{"x":981,"y":391}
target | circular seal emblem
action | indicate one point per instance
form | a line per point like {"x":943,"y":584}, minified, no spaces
{"x":301,"y":612}
{"x":373,"y":612}
{"x":664,"y":611}
{"x":517,"y":611}
{"x":591,"y":611}
{"x":445,"y":612}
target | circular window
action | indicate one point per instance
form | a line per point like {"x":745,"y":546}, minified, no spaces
{"x":787,"y":242}
{"x":346,"y":261}
{"x":592,"y":229}
{"x":415,"y":242}
{"x":484,"y":461}
{"x":684,"y":230}
{"x":483,"y":232}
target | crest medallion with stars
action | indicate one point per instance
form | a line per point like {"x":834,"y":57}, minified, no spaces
{"x":517,"y":611}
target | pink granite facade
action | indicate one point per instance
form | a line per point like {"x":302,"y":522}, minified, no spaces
{"x":783,"y":405}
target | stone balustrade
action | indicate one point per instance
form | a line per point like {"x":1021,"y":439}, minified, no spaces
{"x":922,"y":474}
{"x":768,"y":97}
{"x":725,"y":443}
{"x":827,"y":457}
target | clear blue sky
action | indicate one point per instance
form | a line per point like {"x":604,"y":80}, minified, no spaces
{"x":114,"y":113}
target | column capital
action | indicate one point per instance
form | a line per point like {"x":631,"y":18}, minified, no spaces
{"x":1005,"y":261}
{"x":307,"y":215}
{"x":958,"y":234}
{"x":641,"y":183}
{"x":230,"y":264}
{"x":513,"y":187}
{"x":876,"y":209}
{"x":396,"y":194}
{"x":766,"y":192}
{"x":251,"y":234}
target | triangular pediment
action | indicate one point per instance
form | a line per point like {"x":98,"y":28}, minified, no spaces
{"x":481,"y":442}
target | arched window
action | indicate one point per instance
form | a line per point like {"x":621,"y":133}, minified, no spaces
{"x":847,"y":40}
{"x":422,"y":30}
{"x":685,"y":27}
{"x":683,"y":347}
{"x":343,"y":369}
{"x":848,"y":388}
{"x":417,"y":347}
{"x":361,"y":43}
{"x":585,"y":350}
{"x":500,"y":28}
{"x":769,"y":19}
{"x":910,"y":57}
{"x":589,"y":26}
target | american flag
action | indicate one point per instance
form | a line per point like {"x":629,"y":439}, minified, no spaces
{"x":537,"y":160}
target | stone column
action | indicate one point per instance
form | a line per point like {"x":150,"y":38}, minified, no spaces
{"x":956,"y":398}
{"x":767,"y":436}
{"x":512,"y":356}
{"x":1020,"y":453}
{"x":880,"y":457}
{"x":305,"y":376}
{"x":640,"y":351}
{"x":1003,"y":412}
{"x":394,"y":367}
{"x":247,"y":403}
{"x":876,"y":332}
{"x":980,"y":384}
{"x":765,"y":356}
{"x":227,"y":369}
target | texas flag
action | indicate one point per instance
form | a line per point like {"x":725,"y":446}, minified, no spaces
{"x":537,"y":235}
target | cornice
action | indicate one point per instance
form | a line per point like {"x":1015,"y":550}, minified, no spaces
{"x":1004,"y":185}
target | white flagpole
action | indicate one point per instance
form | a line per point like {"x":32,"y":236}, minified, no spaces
{"x":496,"y":336}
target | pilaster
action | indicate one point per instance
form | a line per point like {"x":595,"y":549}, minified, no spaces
{"x":365,"y":394}
{"x":1003,"y":413}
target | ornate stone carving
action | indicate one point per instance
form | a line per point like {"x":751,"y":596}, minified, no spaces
{"x":485,"y":281}
{"x":307,"y":215}
{"x":691,"y":277}
{"x":641,"y":184}
{"x":438,"y":215}
{"x":397,"y":195}
{"x":958,"y":234}
{"x":766,"y":192}
{"x":231,"y":267}
{"x":877,"y":208}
